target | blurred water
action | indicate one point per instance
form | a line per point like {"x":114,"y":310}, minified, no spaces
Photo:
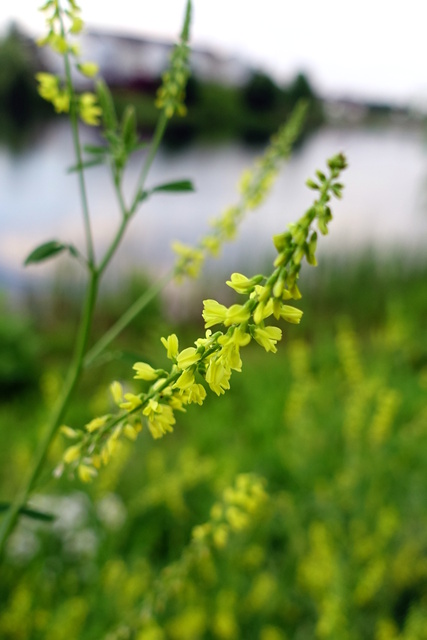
{"x":383,"y":206}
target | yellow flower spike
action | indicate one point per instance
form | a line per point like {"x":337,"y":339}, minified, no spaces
{"x":86,"y":473}
{"x":213,"y":313}
{"x":72,"y":453}
{"x":267,"y":337}
{"x":116,"y":390}
{"x":187,"y":358}
{"x":144,"y":371}
{"x":171,"y":345}
{"x":236,"y":314}
{"x":291,"y":314}
{"x":88,"y":69}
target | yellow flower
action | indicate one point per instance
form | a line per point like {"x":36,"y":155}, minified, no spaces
{"x":197,"y":393}
{"x":187,"y":358}
{"x":160,"y":421}
{"x":132,"y":402}
{"x":48,"y":86}
{"x":263,"y":310}
{"x":236,"y":314}
{"x":185,"y":380}
{"x":72,"y":453}
{"x":86,"y":473}
{"x":61,"y":102}
{"x":96,"y":423}
{"x":90,"y":111}
{"x":291,"y":314}
{"x":144,"y":371}
{"x":116,"y":391}
{"x":213,"y":313}
{"x":241,"y":283}
{"x":267,"y":337}
{"x":77,"y":25}
{"x":88,"y":69}
{"x":217,"y":376}
{"x":171,"y":345}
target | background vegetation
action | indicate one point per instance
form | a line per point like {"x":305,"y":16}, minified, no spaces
{"x":335,"y":423}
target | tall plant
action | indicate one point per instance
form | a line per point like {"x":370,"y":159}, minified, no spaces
{"x":210,"y":362}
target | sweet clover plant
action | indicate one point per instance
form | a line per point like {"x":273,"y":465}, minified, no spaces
{"x":158,"y":395}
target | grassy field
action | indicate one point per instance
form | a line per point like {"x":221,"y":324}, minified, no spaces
{"x":292,"y":507}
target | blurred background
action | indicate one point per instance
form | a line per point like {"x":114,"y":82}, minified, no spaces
{"x":335,"y":422}
{"x":362,"y":72}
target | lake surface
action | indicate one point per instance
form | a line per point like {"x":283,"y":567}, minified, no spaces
{"x":384,"y":205}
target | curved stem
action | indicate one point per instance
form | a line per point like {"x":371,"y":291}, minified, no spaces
{"x":57,"y":414}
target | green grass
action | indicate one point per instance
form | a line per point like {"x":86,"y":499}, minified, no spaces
{"x":335,"y":423}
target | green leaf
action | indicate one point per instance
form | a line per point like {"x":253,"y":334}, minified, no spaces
{"x":31,"y":513}
{"x":179,"y":185}
{"x":105,"y":99}
{"x":130,"y":138}
{"x":85,"y":165}
{"x":45,"y":251}
{"x":95,"y":149}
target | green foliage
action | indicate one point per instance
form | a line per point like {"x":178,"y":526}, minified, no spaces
{"x":20,"y":104}
{"x":334,"y":423}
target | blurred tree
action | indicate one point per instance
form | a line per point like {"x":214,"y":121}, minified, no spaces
{"x":260,"y":92}
{"x":20,"y":104}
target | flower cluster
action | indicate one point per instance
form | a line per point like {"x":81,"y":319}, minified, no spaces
{"x":254,"y":187}
{"x":234,"y":512}
{"x":215,"y":356}
{"x":61,"y":25}
{"x":171,"y":94}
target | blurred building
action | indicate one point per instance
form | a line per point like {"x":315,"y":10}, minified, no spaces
{"x":128,"y":60}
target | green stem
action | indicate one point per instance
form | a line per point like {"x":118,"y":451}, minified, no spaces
{"x":128,"y":214}
{"x":157,"y":138}
{"x":58,"y":413}
{"x":78,"y":153}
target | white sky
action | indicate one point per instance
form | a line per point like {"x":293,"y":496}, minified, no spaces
{"x":365,"y":48}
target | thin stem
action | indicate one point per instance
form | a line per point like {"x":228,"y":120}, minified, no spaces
{"x":157,"y":138}
{"x":58,"y":413}
{"x":78,"y":154}
{"x":126,"y":319}
{"x":128,"y":214}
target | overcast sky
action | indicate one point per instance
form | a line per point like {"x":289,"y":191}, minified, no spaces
{"x":374,"y":49}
